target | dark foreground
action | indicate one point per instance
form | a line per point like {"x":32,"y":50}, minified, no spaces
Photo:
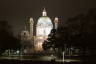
{"x":85,"y":60}
{"x":39,"y":62}
{"x":33,"y":62}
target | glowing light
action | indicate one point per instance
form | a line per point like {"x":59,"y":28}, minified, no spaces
{"x":39,"y":46}
{"x":17,"y":51}
{"x":40,"y":37}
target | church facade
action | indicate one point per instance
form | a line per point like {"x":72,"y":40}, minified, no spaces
{"x":43,"y":27}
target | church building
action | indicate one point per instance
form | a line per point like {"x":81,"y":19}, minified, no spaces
{"x":42,"y":28}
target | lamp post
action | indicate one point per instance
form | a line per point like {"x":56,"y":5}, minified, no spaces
{"x":63,"y":56}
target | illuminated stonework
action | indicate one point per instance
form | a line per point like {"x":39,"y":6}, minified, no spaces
{"x":43,"y":28}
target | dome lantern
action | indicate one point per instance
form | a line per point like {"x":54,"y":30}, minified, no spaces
{"x":44,"y":13}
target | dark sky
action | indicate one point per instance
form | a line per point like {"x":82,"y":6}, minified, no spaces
{"x":18,"y":11}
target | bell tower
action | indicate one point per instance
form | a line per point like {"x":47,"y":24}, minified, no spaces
{"x":31,"y":27}
{"x":56,"y":22}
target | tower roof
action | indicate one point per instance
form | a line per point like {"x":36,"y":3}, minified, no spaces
{"x":56,"y":20}
{"x":31,"y":20}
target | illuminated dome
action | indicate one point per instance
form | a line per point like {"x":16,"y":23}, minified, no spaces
{"x":43,"y":29}
{"x":44,"y":25}
{"x":44,"y":21}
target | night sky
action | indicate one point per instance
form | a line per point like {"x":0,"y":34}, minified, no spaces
{"x":16,"y":12}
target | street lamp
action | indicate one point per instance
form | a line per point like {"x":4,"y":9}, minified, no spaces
{"x":63,"y":56}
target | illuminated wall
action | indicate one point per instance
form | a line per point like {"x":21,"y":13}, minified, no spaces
{"x":44,"y":26}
